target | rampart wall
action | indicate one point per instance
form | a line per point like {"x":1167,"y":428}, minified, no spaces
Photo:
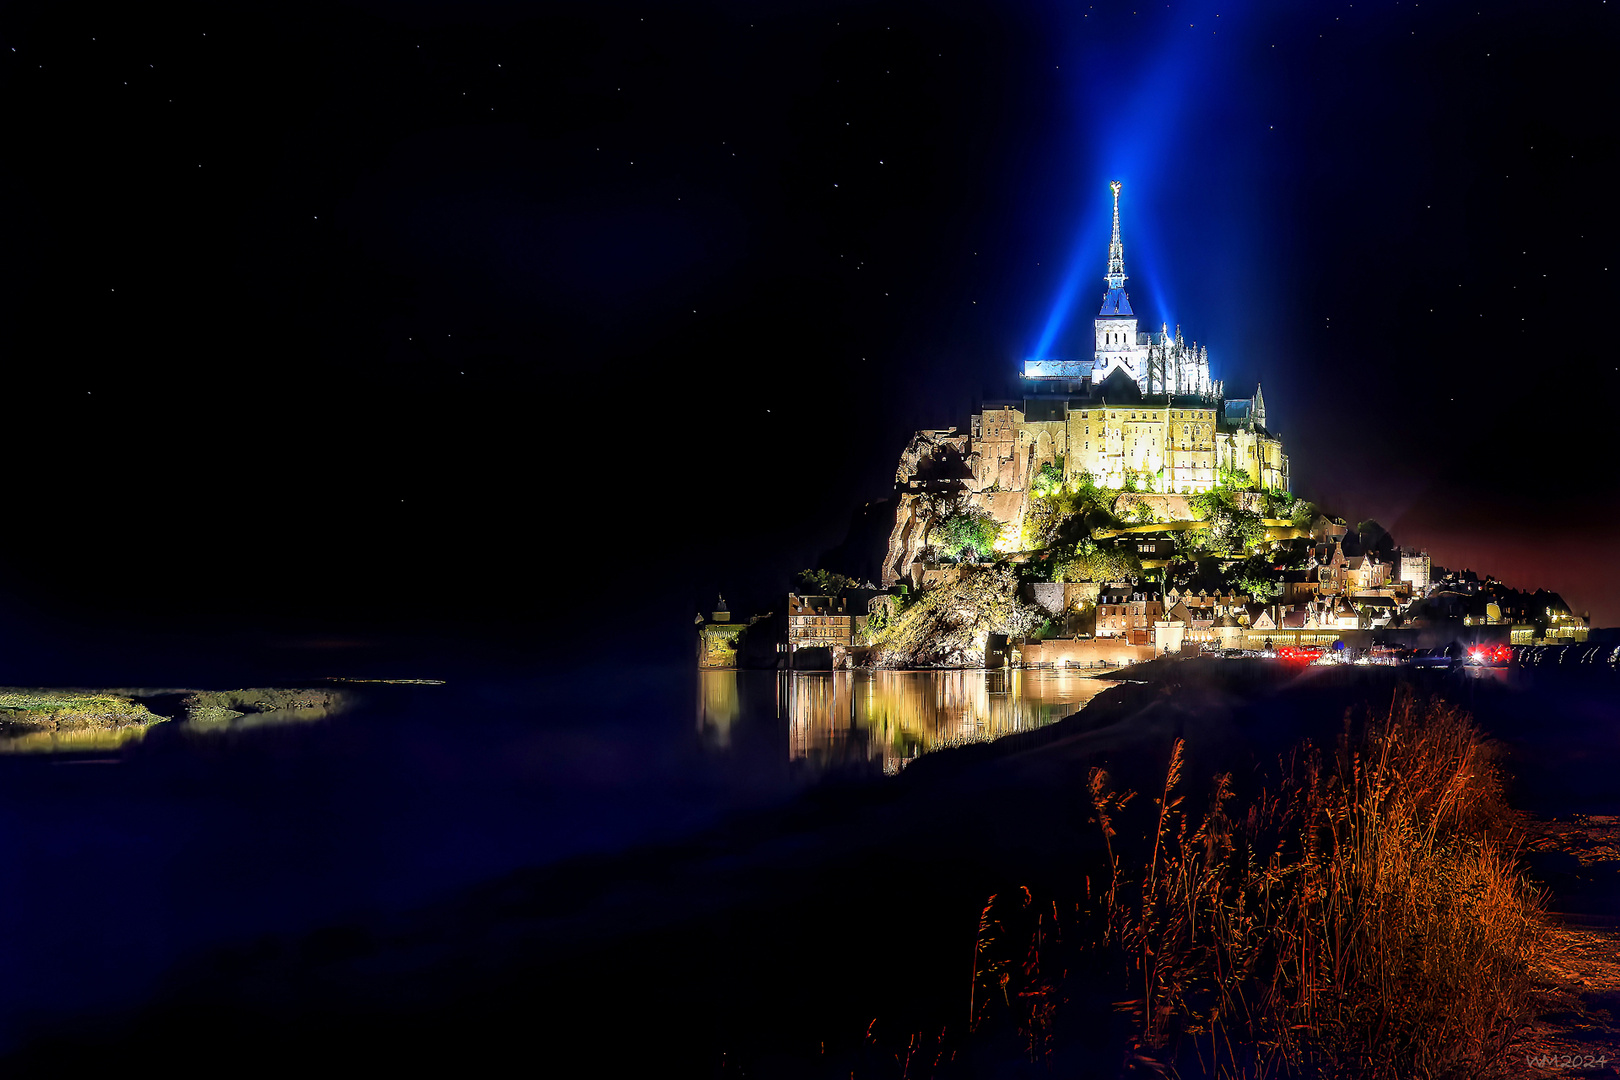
{"x":1081,"y":652}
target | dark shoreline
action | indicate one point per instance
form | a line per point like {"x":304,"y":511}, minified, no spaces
{"x":758,"y":940}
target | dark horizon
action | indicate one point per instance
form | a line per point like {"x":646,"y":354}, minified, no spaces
{"x":531,"y":323}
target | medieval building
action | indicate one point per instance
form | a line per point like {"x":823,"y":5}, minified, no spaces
{"x":1142,"y":412}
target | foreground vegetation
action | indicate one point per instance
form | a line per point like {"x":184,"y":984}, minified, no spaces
{"x":1360,"y":915}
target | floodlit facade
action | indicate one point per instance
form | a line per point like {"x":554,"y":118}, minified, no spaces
{"x":1144,"y":407}
{"x":1415,"y":568}
{"x":1142,"y":412}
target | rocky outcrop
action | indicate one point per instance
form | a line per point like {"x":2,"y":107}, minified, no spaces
{"x":950,"y":624}
{"x":913,"y":516}
{"x":935,"y":459}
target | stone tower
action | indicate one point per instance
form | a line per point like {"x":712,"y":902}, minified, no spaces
{"x":1117,"y":346}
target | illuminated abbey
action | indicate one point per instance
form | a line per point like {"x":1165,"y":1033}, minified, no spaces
{"x":1143,"y":412}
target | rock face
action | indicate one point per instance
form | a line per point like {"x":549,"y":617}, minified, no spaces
{"x":913,"y":516}
{"x":950,"y":624}
{"x":939,"y":474}
{"x":934,"y":457}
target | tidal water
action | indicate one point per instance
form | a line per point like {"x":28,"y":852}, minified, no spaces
{"x":125,"y":859}
{"x":863,"y":721}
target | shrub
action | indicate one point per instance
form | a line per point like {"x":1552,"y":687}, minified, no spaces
{"x":1092,"y":561}
{"x":1048,"y":480}
{"x":823,"y":582}
{"x":966,"y":534}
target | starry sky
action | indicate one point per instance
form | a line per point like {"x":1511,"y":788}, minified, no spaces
{"x":540,"y":316}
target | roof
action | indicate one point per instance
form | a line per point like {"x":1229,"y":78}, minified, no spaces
{"x":1115,"y":302}
{"x":1058,"y":369}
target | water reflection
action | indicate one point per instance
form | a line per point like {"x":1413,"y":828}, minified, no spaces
{"x":70,"y":740}
{"x":887,"y":718}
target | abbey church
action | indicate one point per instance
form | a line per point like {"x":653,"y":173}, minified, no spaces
{"x":1143,"y":411}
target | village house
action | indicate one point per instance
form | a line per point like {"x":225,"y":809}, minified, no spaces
{"x":1123,"y":611}
{"x":821,"y":622}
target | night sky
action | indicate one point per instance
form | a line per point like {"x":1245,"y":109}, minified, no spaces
{"x":555,"y":320}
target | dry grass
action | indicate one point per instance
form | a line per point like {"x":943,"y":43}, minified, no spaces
{"x":1363,"y":915}
{"x":1366,"y":917}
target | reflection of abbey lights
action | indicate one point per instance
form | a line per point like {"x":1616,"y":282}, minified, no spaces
{"x":891,"y":717}
{"x":1142,"y":409}
{"x":718,"y":704}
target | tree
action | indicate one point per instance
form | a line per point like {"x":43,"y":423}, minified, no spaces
{"x":1048,"y":480}
{"x":1374,"y":537}
{"x":968,"y":534}
{"x":1092,"y":561}
{"x":1237,"y":530}
{"x":823,"y":582}
{"x":1044,"y":517}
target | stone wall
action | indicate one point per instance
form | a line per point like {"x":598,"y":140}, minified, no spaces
{"x":1175,"y":507}
{"x":1081,"y":652}
{"x":1047,"y":596}
{"x":1081,"y":594}
{"x":718,"y":643}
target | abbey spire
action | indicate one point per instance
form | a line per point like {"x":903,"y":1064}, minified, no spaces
{"x":1116,"y":247}
{"x":1115,"y":303}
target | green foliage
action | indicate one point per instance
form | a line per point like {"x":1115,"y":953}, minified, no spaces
{"x":1068,"y":513}
{"x":966,"y":535}
{"x":27,"y":708}
{"x":823,"y":582}
{"x":1237,"y":479}
{"x":1043,"y":522}
{"x":1049,"y":480}
{"x":1255,"y":577}
{"x":882,"y":614}
{"x":1233,"y":528}
{"x":1092,"y":561}
{"x":1205,"y":504}
{"x":1236,"y":530}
